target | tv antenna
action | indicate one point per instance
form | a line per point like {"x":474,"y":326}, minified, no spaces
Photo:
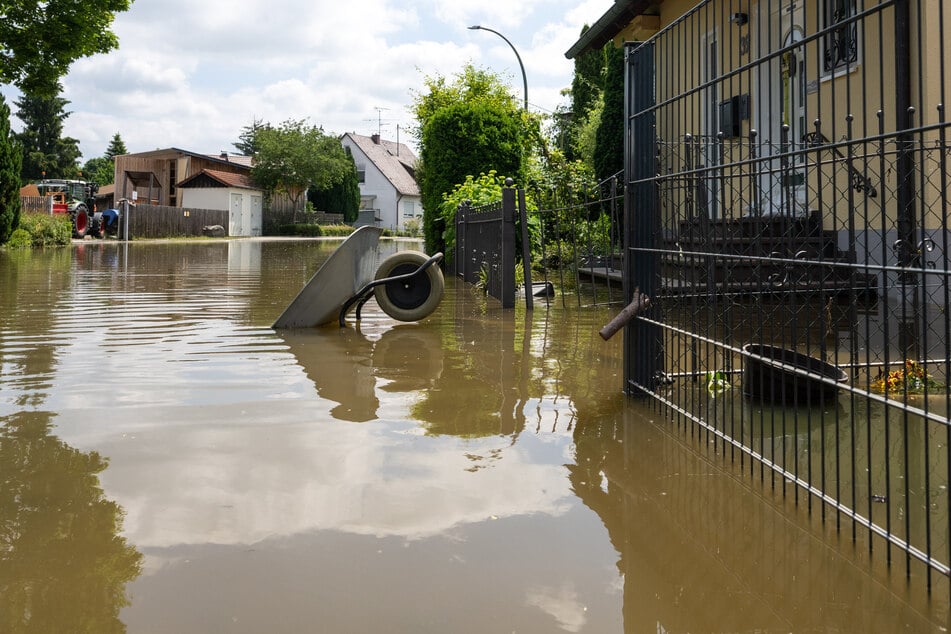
{"x":379,"y":119}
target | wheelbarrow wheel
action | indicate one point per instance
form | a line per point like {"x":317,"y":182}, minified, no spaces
{"x":411,"y":299}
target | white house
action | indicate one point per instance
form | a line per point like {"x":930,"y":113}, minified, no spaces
{"x":386,"y":172}
{"x":213,"y":189}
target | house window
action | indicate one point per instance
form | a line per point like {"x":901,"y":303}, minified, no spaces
{"x":172,"y":180}
{"x":361,"y":172}
{"x":841,"y":43}
{"x":408,"y":209}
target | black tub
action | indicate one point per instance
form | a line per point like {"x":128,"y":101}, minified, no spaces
{"x":774,"y":375}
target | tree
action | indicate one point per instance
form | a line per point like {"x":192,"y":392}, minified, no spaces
{"x":247,"y":141}
{"x":296,"y":155}
{"x":45,"y":152}
{"x":461,"y":140}
{"x":586,"y":132}
{"x":342,"y":197}
{"x":100,"y":169}
{"x":467,"y":127}
{"x":9,"y":176}
{"x":609,"y":144}
{"x":588,"y":79}
{"x":586,"y":95}
{"x":40,"y":39}
{"x":116,"y":147}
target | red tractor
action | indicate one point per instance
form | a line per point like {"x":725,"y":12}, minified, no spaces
{"x":75,"y":198}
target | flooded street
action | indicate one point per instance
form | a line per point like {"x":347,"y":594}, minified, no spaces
{"x":169,"y":463}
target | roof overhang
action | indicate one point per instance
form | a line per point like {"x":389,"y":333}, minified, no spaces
{"x":610,"y":25}
{"x":141,"y":179}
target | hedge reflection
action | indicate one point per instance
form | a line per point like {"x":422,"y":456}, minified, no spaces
{"x":63,"y":564}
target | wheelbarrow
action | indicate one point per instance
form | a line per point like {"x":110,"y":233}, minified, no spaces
{"x":407,"y":285}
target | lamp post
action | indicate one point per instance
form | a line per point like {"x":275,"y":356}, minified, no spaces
{"x":517,"y":56}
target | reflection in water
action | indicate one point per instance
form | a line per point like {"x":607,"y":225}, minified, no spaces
{"x":63,"y":565}
{"x":498,"y":480}
{"x":733,"y":559}
{"x":402,"y":358}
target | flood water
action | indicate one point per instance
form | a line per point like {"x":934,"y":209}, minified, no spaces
{"x":169,"y":463}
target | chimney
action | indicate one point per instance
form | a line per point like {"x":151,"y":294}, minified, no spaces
{"x":224,"y":155}
{"x":376,"y":138}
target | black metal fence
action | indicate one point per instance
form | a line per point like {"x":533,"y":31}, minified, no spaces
{"x":485,"y":246}
{"x":786,"y":210}
{"x":579,"y":242}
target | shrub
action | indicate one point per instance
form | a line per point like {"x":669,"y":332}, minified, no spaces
{"x":302,"y":230}
{"x":20,"y":239}
{"x":413,"y":227}
{"x":46,"y":230}
{"x":336,"y":230}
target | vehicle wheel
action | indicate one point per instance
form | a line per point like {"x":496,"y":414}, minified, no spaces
{"x":412,"y":299}
{"x":80,"y":222}
{"x":96,"y":228}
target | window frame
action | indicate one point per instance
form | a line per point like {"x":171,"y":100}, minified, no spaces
{"x":840,"y":38}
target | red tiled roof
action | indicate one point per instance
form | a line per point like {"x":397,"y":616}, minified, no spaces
{"x":227,"y":179}
{"x":231,"y":179}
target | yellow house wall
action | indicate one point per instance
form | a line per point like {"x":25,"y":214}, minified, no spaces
{"x":846,"y":105}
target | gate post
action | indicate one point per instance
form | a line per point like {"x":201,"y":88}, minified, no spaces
{"x":526,"y":249}
{"x":458,"y":260}
{"x":642,"y":341}
{"x":509,"y":218}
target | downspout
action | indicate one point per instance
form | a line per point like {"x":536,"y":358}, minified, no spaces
{"x":904,"y":119}
{"x":399,"y":197}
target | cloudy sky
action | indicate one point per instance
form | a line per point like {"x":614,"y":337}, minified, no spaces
{"x":192,"y":74}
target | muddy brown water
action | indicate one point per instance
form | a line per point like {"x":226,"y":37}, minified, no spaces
{"x":169,"y":463}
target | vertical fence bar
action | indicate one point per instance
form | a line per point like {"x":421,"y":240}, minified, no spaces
{"x":641,"y":340}
{"x":508,"y":221}
{"x":526,"y":250}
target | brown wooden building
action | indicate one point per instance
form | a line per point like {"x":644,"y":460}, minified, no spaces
{"x":153,"y":177}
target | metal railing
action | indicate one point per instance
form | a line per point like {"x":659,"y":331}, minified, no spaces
{"x":484,"y":253}
{"x":789,"y":222}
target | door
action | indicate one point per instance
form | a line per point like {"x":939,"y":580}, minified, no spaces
{"x":236,"y":226}
{"x":257,"y":215}
{"x":709,"y":142}
{"x":781,"y":100}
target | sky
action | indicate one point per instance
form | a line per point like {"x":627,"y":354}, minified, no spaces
{"x":191,"y":74}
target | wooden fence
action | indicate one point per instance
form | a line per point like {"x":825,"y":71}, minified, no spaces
{"x":34,"y":204}
{"x":160,"y":221}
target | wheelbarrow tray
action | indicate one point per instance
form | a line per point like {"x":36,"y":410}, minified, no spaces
{"x":348,"y":269}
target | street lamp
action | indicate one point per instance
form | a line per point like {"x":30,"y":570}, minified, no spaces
{"x":517,"y":56}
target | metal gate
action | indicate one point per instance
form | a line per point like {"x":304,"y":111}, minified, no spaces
{"x":786,"y":210}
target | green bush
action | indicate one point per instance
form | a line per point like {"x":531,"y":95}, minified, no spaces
{"x":336,"y":230}
{"x":303,"y":230}
{"x":20,"y":239}
{"x":46,"y":230}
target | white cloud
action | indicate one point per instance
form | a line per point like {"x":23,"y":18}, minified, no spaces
{"x":191,"y":75}
{"x":561,"y":603}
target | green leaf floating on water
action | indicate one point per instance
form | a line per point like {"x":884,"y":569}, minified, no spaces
{"x":717,"y":382}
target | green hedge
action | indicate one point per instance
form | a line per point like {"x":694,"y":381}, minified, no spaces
{"x":304,"y":230}
{"x":43,"y":230}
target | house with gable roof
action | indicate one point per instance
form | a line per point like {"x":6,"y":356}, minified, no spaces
{"x":216,"y":189}
{"x":389,"y":194}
